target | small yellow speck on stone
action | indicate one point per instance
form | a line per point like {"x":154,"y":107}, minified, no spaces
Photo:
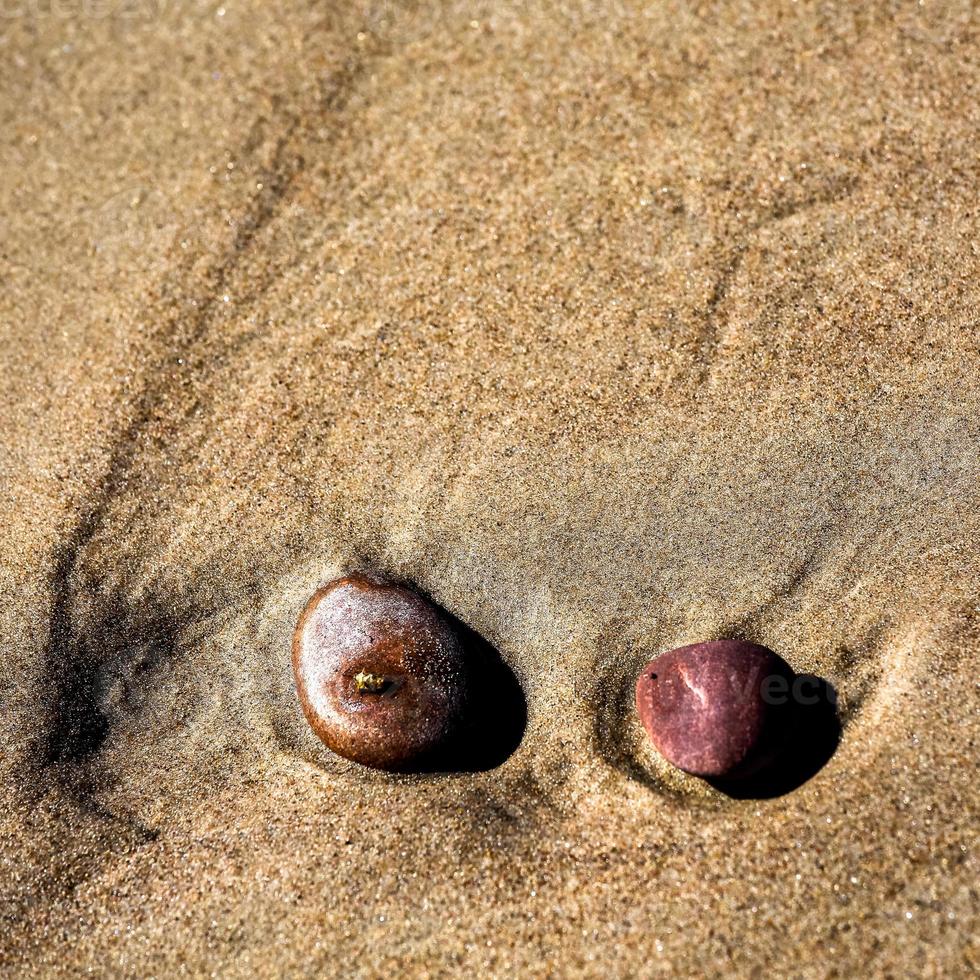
{"x":367,"y":683}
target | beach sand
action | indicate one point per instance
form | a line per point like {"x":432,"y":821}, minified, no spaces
{"x":611,"y":327}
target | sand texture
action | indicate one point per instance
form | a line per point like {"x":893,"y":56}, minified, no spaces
{"x":610,"y":326}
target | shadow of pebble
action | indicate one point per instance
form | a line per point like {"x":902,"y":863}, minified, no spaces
{"x":808,"y":734}
{"x":495,"y":716}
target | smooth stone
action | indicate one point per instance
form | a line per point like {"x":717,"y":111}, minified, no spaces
{"x":381,"y":675}
{"x":714,"y":709}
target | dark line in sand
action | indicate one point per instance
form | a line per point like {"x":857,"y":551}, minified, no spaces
{"x":711,"y":333}
{"x":77,"y":726}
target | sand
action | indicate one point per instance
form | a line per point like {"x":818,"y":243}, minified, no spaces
{"x":610,"y":326}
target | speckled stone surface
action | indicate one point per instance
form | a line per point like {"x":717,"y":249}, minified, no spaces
{"x":381,"y":676}
{"x":712,"y":709}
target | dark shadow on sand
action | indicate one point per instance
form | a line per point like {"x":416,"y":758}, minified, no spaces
{"x":806,"y":738}
{"x":495,"y":716}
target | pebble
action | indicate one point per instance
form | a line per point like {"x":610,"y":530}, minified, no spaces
{"x":380,"y":673}
{"x":713,"y":709}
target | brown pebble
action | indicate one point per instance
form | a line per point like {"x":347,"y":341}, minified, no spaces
{"x":380,"y":673}
{"x":712,"y":709}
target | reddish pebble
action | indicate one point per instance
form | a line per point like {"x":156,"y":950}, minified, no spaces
{"x":711,"y":709}
{"x":380,"y":673}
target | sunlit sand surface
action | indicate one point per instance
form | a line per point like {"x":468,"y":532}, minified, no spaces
{"x":611,"y":328}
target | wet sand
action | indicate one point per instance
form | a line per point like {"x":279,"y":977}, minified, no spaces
{"x":611,"y":328}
